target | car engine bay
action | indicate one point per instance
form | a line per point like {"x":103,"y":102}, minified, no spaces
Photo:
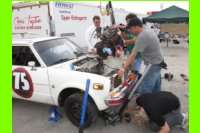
{"x":90,"y":65}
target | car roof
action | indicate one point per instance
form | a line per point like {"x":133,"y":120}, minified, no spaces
{"x":31,"y":41}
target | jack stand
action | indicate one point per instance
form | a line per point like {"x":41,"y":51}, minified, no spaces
{"x":55,"y":116}
{"x":127,"y":117}
{"x":111,"y":117}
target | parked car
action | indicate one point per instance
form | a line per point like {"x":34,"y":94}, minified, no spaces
{"x":54,"y":71}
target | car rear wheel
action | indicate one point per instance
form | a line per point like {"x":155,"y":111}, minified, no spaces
{"x":73,"y":109}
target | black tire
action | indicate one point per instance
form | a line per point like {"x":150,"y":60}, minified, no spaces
{"x":73,"y":108}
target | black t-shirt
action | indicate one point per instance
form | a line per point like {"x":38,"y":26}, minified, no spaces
{"x":158,"y":104}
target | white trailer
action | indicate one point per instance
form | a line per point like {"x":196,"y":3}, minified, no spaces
{"x":69,"y":19}
{"x":31,"y":21}
{"x":73,"y":19}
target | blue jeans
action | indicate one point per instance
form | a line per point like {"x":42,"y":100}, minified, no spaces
{"x":173,"y":118}
{"x":136,"y":64}
{"x":152,"y":81}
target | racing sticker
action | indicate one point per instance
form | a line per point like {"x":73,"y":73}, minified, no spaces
{"x":22,"y":83}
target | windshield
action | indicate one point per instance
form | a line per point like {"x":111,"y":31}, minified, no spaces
{"x":56,"y":51}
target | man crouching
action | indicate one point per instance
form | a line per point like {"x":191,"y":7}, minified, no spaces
{"x":162,"y":109}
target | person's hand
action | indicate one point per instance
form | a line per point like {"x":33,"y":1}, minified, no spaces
{"x":118,"y":26}
{"x":134,"y":39}
{"x":165,"y":128}
{"x":94,"y":51}
{"x":120,"y":73}
{"x":115,"y":26}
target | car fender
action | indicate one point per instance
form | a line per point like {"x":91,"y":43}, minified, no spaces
{"x":64,"y":79}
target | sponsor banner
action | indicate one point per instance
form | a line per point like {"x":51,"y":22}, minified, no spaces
{"x":31,"y":20}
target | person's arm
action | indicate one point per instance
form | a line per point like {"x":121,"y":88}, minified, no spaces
{"x":157,"y":117}
{"x":164,"y":129}
{"x":130,"y":41}
{"x":128,"y":62}
{"x":118,"y":26}
{"x":123,"y":33}
{"x":130,"y":59}
{"x":88,"y":36}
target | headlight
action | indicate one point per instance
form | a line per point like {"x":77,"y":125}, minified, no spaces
{"x":98,"y":86}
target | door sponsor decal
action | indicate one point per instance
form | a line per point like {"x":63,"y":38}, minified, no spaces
{"x":22,"y":83}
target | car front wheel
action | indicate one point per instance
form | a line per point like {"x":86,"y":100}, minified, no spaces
{"x":73,"y":110}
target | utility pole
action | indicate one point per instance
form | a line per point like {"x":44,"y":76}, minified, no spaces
{"x":161,"y":6}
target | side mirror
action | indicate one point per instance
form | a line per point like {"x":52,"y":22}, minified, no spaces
{"x":32,"y":65}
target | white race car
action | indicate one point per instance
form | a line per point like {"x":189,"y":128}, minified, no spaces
{"x":54,"y":71}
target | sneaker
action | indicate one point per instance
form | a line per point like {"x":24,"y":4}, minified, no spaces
{"x":184,"y":124}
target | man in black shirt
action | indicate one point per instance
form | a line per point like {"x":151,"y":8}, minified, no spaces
{"x":163,"y":110}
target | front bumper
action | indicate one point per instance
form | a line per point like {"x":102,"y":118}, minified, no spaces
{"x":118,"y":95}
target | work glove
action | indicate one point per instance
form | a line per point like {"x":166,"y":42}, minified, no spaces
{"x":107,"y":50}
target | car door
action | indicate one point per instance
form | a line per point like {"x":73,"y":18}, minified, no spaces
{"x":29,"y":83}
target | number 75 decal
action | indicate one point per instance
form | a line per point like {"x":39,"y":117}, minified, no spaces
{"x":22,"y":83}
